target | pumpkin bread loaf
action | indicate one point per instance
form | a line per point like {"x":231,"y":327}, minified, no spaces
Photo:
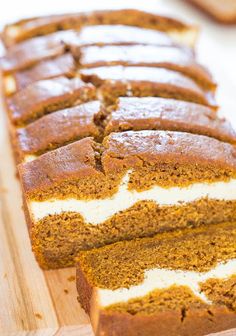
{"x":126,"y":168}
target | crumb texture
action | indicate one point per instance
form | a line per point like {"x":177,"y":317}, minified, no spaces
{"x":123,"y":264}
{"x":175,"y":298}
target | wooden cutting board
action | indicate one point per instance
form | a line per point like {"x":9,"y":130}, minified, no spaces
{"x":33,"y":302}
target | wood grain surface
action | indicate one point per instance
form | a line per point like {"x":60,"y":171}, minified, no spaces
{"x":33,"y":302}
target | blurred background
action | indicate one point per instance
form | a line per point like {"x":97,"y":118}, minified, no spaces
{"x":216,"y":47}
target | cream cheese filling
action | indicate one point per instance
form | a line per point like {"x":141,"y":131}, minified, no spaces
{"x":96,"y":211}
{"x":29,"y":158}
{"x":13,"y":31}
{"x":187,"y":37}
{"x":9,"y":84}
{"x":164,"y":278}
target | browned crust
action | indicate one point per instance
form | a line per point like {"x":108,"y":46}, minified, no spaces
{"x":197,"y":323}
{"x":117,"y":81}
{"x":167,"y":114}
{"x":120,"y":35}
{"x":224,"y":14}
{"x":63,"y":65}
{"x":77,"y":158}
{"x":46,"y":96}
{"x":123,"y":151}
{"x":18,"y":56}
{"x":132,"y":149}
{"x":48,"y":24}
{"x":91,"y":119}
{"x":84,"y":289}
{"x":51,"y":45}
{"x":177,"y":59}
{"x":57,"y":129}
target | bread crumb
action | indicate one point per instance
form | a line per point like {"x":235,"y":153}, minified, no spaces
{"x":71,"y":278}
{"x":39,"y":316}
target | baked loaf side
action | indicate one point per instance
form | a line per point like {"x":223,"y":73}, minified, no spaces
{"x":134,"y":184}
{"x":129,"y":113}
{"x":169,"y":284}
{"x":28,"y":28}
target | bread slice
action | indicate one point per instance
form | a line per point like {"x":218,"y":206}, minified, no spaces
{"x":180,"y":283}
{"x":133,"y":184}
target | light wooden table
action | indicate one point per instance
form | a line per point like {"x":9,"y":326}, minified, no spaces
{"x":39,"y":303}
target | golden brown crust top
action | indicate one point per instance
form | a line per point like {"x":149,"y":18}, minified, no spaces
{"x":174,"y":58}
{"x":51,"y":45}
{"x":62,"y":65}
{"x":24,"y":29}
{"x":28,"y":53}
{"x":123,"y":151}
{"x":119,"y":35}
{"x":177,"y":59}
{"x":58,"y":128}
{"x":45,"y":96}
{"x":68,"y":162}
{"x":134,"y":149}
{"x":147,"y":81}
{"x":155,"y":113}
{"x":92,"y":119}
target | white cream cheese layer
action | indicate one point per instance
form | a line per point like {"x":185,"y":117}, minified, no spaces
{"x":13,"y":31}
{"x":163,"y":278}
{"x":9,"y":84}
{"x":186,"y":37}
{"x":99,"y":210}
{"x":29,"y":158}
